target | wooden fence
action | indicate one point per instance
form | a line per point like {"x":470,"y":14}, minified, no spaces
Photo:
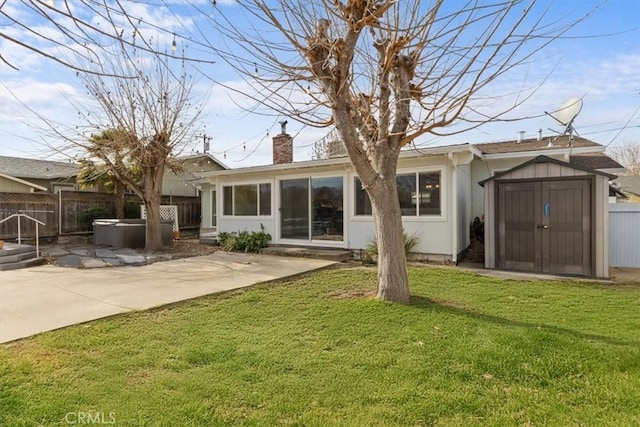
{"x":63,"y":212}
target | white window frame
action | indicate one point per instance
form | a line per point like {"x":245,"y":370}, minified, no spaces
{"x":233,"y":184}
{"x":409,"y":218}
{"x":345,"y":206}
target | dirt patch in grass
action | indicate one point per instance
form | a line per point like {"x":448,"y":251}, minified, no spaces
{"x":352,"y":293}
{"x":625,"y":275}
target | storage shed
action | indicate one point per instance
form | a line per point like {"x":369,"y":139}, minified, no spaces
{"x":548,"y":216}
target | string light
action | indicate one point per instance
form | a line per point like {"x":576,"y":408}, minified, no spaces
{"x":50,"y":3}
{"x":174,"y":46}
{"x":255,"y":70}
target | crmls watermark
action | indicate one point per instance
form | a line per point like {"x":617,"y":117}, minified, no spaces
{"x":81,"y":417}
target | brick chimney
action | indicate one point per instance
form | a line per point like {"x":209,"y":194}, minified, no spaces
{"x":282,"y":146}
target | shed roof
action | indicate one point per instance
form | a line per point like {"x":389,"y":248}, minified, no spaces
{"x":546,"y":159}
{"x":36,"y":169}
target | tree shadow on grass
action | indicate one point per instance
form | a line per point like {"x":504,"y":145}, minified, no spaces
{"x":420,"y":302}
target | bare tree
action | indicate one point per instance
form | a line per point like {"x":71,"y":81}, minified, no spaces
{"x":152,"y":116}
{"x":629,"y":156}
{"x":383,"y":72}
{"x":132,"y":128}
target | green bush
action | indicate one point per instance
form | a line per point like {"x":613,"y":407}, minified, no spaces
{"x":244,"y":241}
{"x":132,"y":209}
{"x":410,"y":242}
{"x":95,"y":212}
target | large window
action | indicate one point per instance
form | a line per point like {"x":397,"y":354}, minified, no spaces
{"x":418,"y":194}
{"x":247,"y":200}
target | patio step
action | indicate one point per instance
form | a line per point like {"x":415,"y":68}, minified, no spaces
{"x":211,"y":241}
{"x":31,"y":262}
{"x":13,"y":257}
{"x":7,"y":259}
{"x":337,"y":255}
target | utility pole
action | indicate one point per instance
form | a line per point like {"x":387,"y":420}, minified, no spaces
{"x":205,"y":143}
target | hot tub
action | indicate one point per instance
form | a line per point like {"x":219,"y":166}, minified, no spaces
{"x":127,"y":233}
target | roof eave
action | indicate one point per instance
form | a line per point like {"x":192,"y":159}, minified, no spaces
{"x":546,"y":152}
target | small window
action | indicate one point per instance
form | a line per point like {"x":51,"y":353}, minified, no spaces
{"x":247,"y":200}
{"x":407,"y":194}
{"x":429,"y":193}
{"x":363,"y":203}
{"x":265,"y":199}
{"x":227,"y":195}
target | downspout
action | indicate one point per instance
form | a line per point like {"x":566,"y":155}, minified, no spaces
{"x":454,"y":208}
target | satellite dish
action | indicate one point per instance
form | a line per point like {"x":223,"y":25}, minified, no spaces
{"x":566,"y":115}
{"x":569,"y":111}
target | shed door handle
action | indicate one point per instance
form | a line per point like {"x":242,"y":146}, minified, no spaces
{"x":544,"y":227}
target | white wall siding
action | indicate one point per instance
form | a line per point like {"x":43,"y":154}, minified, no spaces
{"x":463,"y":195}
{"x":435,"y":232}
{"x":624,"y":235}
{"x":248,"y":224}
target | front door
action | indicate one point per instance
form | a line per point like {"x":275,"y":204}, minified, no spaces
{"x":545,"y":226}
{"x":311,"y":209}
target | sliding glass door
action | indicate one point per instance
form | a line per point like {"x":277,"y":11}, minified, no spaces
{"x":294,"y":209}
{"x":312,"y":209}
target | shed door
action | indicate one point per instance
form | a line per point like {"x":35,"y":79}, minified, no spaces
{"x":545,"y":226}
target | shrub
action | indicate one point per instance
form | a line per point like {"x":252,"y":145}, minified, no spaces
{"x":244,"y":241}
{"x":410,"y":242}
{"x":132,"y":209}
{"x":95,"y":212}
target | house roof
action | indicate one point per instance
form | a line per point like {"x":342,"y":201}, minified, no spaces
{"x":545,"y":144}
{"x":23,"y":182}
{"x":629,"y":184}
{"x":545,"y":159}
{"x":434,"y":151}
{"x":36,"y":169}
{"x":594,"y":161}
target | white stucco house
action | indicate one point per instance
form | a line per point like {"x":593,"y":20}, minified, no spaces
{"x":320,"y":203}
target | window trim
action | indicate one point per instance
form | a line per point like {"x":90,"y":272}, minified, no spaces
{"x":410,"y":218}
{"x":233,"y":185}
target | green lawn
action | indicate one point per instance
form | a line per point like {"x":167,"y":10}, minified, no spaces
{"x":318,"y":350}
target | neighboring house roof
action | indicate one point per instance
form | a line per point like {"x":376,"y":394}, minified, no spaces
{"x":22,"y":181}
{"x":595,"y":161}
{"x":36,"y":169}
{"x":629,"y":184}
{"x":207,"y":156}
{"x":545,"y":159}
{"x":545,"y":144}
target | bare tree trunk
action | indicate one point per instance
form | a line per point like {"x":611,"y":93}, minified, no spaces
{"x":153,"y":232}
{"x":152,"y":198}
{"x":393,"y":284}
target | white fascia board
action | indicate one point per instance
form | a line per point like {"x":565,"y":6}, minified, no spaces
{"x":22,"y":181}
{"x":549,"y":152}
{"x":613,"y":171}
{"x":338,"y":161}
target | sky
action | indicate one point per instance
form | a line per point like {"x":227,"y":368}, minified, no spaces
{"x":599,"y":63}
